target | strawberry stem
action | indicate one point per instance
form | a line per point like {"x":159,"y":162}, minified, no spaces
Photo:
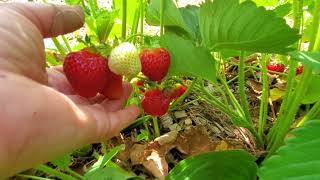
{"x":156,"y":126}
{"x":124,"y":19}
{"x":243,"y":98}
{"x":66,"y":42}
{"x":58,"y":174}
{"x":312,"y":114}
{"x":59,"y":46}
{"x":135,"y":22}
{"x":142,"y":9}
{"x":161,"y":17}
{"x":264,"y":99}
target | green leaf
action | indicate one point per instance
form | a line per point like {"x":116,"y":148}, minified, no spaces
{"x":230,"y":25}
{"x":313,"y":93}
{"x":266,"y":3}
{"x":144,"y":135}
{"x":223,"y":165}
{"x":104,"y":23}
{"x":63,"y":162}
{"x":187,"y":59}
{"x":283,"y":9}
{"x":108,"y":173}
{"x":108,"y":156}
{"x":311,"y":59}
{"x":172,"y":16}
{"x":190,"y":15}
{"x":298,"y":159}
{"x":72,"y":2}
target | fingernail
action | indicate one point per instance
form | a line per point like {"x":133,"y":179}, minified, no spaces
{"x":67,"y":20}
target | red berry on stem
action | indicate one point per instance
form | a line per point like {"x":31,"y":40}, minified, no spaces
{"x":155,"y":103}
{"x":176,"y":91}
{"x":86,"y":72}
{"x":155,"y":63}
{"x":140,"y":84}
{"x":276,"y":67}
{"x":299,"y":69}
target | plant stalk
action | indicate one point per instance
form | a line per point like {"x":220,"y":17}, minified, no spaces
{"x":58,"y":46}
{"x":156,"y":126}
{"x":75,"y":174}
{"x":135,"y":22}
{"x":312,"y":114}
{"x":124,"y":19}
{"x":54,"y":172}
{"x":162,"y":17}
{"x":233,"y":98}
{"x":243,"y":98}
{"x":289,"y":117}
{"x":32,"y":177}
{"x":142,"y":10}
{"x":264,"y":98}
{"x":66,"y":42}
{"x":315,"y":24}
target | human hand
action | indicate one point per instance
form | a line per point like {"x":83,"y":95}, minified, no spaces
{"x":38,"y":122}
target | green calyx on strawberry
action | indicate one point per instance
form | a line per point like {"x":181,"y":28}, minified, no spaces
{"x":124,"y":60}
{"x":88,"y":74}
{"x":155,"y":102}
{"x":155,"y":63}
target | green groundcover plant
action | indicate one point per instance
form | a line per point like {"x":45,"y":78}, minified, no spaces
{"x":190,"y":51}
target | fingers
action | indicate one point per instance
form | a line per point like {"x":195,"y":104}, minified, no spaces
{"x":116,"y":121}
{"x":51,"y":20}
{"x":58,"y":81}
{"x":114,"y":105}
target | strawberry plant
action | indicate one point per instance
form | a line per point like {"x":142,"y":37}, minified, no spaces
{"x":189,"y":59}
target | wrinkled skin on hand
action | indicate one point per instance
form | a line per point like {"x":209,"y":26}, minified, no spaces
{"x":41,"y":117}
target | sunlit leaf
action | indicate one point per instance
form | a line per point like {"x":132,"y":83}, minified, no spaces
{"x":72,"y":2}
{"x":187,"y":59}
{"x":313,"y":93}
{"x":283,"y":9}
{"x":172,"y":15}
{"x":311,"y":59}
{"x":230,"y":25}
{"x":298,"y":159}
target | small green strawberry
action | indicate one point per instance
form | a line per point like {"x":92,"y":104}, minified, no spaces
{"x":124,"y":60}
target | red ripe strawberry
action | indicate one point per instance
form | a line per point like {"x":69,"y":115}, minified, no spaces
{"x":86,"y":72}
{"x":155,"y":63}
{"x":299,"y":69}
{"x":113,"y":88}
{"x":155,"y":103}
{"x":276,"y":67}
{"x":140,"y":84}
{"x":175,"y":92}
{"x":178,"y":91}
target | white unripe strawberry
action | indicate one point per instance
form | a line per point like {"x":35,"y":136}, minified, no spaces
{"x":124,"y":60}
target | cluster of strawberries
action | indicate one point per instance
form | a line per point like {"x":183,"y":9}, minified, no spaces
{"x":279,"y":67}
{"x":90,"y":73}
